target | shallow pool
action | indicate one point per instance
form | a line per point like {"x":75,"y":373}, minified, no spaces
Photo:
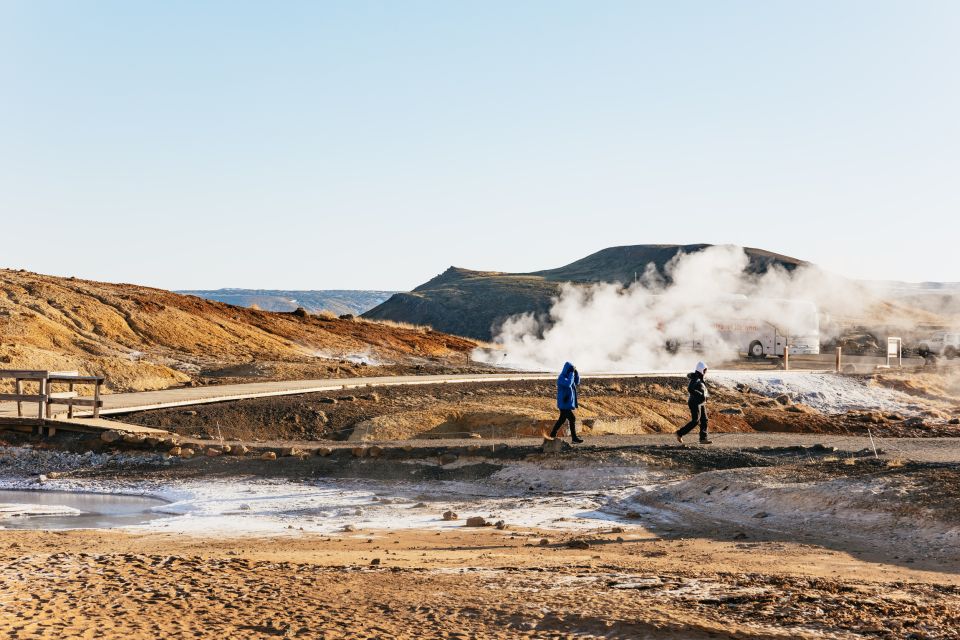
{"x":32,"y":509}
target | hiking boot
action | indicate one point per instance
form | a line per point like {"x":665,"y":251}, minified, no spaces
{"x":705,"y":441}
{"x":576,"y":440}
{"x":679,"y":437}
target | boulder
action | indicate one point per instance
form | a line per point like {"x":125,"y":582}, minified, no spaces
{"x":133,"y":438}
{"x":501,"y":525}
{"x":110,"y":436}
{"x":213,"y":452}
{"x":784,"y":399}
{"x":239,"y":450}
{"x":269,"y":455}
{"x":544,"y":542}
{"x":450,"y":515}
{"x":323,"y":451}
{"x":187,"y":452}
{"x":476,"y":521}
{"x":954,"y":421}
{"x":175,"y":451}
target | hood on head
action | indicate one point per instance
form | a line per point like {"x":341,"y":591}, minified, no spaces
{"x":567,"y":368}
{"x":701,"y":367}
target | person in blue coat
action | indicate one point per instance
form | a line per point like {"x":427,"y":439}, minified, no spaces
{"x":567,"y":383}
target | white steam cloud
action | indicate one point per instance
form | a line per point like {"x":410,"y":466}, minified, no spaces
{"x":708,"y":301}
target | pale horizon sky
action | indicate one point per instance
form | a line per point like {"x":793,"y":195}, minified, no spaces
{"x":370,"y":145}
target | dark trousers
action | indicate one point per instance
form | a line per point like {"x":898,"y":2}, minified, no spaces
{"x":565,"y":415}
{"x":698,"y":414}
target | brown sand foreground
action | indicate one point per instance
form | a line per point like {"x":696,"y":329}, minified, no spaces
{"x":467,"y":584}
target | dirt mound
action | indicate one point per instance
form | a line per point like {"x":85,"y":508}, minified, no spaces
{"x":143,"y":338}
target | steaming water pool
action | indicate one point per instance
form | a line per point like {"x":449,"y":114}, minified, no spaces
{"x":27,"y":509}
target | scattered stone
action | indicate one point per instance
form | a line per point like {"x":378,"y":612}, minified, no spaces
{"x":187,"y":452}
{"x":323,"y":451}
{"x":239,"y":450}
{"x":476,"y":521}
{"x":761,"y":514}
{"x":41,"y":478}
{"x":110,"y":436}
{"x":375,"y":561}
{"x":328,"y":400}
{"x":269,"y":455}
{"x":578,"y":544}
{"x":544,"y":542}
{"x":175,"y":451}
{"x":501,"y":525}
{"x":291,"y":452}
{"x":448,"y":458}
{"x":450,"y":515}
{"x":732,"y":412}
{"x":347,"y":398}
{"x":213,"y":452}
{"x":188,"y":413}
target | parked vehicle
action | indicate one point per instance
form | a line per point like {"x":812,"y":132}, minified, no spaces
{"x":756,"y":327}
{"x":941,"y":343}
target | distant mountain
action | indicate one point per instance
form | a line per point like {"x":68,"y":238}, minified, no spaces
{"x":474,"y":303}
{"x":337,"y":301}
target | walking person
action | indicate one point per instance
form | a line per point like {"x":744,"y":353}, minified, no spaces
{"x":697,"y":403}
{"x":567,"y":383}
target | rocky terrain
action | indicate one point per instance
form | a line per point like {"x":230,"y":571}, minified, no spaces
{"x":143,"y":338}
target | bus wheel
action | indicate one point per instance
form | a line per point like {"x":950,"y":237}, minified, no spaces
{"x":755,"y":350}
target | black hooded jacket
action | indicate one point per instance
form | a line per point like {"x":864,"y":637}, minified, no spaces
{"x":697,"y":388}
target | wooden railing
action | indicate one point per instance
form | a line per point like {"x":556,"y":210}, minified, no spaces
{"x":45,"y":396}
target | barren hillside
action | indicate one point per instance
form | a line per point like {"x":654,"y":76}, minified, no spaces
{"x":144,"y":338}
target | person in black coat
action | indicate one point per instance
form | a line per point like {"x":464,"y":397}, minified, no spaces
{"x":697,"y":403}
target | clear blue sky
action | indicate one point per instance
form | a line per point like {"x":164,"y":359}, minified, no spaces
{"x":191,"y":144}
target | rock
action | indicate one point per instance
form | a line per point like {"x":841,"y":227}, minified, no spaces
{"x":133,"y":438}
{"x":740,"y":536}
{"x":349,"y":527}
{"x":954,"y":421}
{"x":244,"y":507}
{"x":323,"y":451}
{"x":616,"y":530}
{"x":110,"y":436}
{"x":291,"y":452}
{"x":321,"y":417}
{"x":300,"y":312}
{"x":475,"y":436}
{"x":187,"y":452}
{"x":268,"y":455}
{"x":578,"y":544}
{"x":151,"y":441}
{"x":347,"y":398}
{"x":544,"y":542}
{"x":732,"y":412}
{"x":372,"y":397}
{"x":476,"y":521}
{"x":420,"y":505}
{"x":556,"y":445}
{"x":375,"y":561}
{"x":450,"y":515}
{"x":41,"y":478}
{"x":761,"y":514}
{"x":328,"y":400}
{"x":188,"y":413}
{"x":915,"y":421}
{"x":213,"y":452}
{"x":239,"y":450}
{"x":359,"y":452}
{"x":501,"y":525}
{"x":784,"y":399}
{"x":225,"y":449}
{"x":794,"y":409}
{"x":447,"y":458}
{"x":375,"y":451}
{"x":175,"y":451}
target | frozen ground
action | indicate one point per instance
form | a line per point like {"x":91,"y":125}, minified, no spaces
{"x":826,"y":392}
{"x":555,"y":496}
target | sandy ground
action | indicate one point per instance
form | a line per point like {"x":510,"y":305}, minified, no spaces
{"x":462,"y":584}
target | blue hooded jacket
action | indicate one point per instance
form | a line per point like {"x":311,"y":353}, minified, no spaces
{"x":567,"y":387}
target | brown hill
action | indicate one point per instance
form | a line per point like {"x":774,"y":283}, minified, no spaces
{"x":144,"y":338}
{"x":474,"y":303}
